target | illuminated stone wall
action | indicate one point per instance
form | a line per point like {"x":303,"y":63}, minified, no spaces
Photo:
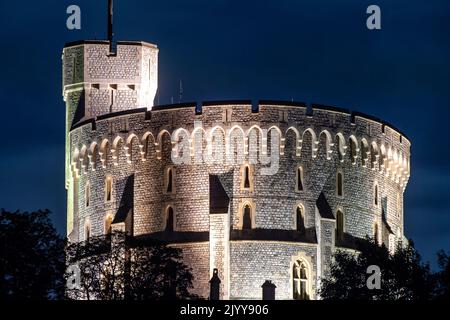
{"x":140,"y":145}
{"x":114,"y":132}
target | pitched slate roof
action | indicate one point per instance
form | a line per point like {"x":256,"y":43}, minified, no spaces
{"x":324,"y":207}
{"x":218,"y":197}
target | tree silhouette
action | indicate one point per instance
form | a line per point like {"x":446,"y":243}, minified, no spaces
{"x":118,"y":267}
{"x":403,"y":275}
{"x":32,"y":262}
{"x":442,"y":291}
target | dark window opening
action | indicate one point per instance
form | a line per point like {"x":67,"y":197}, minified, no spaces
{"x":300,"y":220}
{"x":299,"y":179}
{"x":169,"y":220}
{"x":339,"y":184}
{"x":247,"y":178}
{"x":169,"y":181}
{"x":247,"y":218}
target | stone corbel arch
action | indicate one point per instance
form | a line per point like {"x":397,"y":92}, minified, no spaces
{"x":146,"y":138}
{"x":115,"y":152}
{"x":129,"y":147}
{"x":298,"y":141}
{"x":93,"y":155}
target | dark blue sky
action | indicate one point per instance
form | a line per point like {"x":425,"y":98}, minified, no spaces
{"x":313,"y":51}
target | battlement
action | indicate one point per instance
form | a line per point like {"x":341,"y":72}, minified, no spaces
{"x":325,"y":133}
{"x":267,"y":112}
{"x":97,"y":82}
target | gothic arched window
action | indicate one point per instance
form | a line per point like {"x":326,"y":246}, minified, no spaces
{"x":87,"y":194}
{"x":169,"y":185}
{"x":169,"y":220}
{"x":108,"y":189}
{"x":169,"y":180}
{"x":300,"y":281}
{"x":246,"y":177}
{"x":300,"y":219}
{"x":108,"y":223}
{"x":340,"y":184}
{"x":247,"y":217}
{"x":375,"y":233}
{"x":299,"y":179}
{"x":87,"y":232}
{"x":375,"y":195}
{"x":339,"y":226}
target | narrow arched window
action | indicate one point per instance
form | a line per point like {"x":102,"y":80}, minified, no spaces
{"x":87,"y":232}
{"x":87,"y":194}
{"x":399,"y":204}
{"x":169,"y":220}
{"x":375,"y":233}
{"x":108,"y":189}
{"x":340,"y":184}
{"x":169,"y":181}
{"x":247,"y":177}
{"x":247,"y":217}
{"x":108,"y":223}
{"x":300,"y":220}
{"x":375,"y":195}
{"x":300,"y":281}
{"x":299,"y":186}
{"x":339,"y":226}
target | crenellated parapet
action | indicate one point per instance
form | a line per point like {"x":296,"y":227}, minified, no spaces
{"x":334,"y":134}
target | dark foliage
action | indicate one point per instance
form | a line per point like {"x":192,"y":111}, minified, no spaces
{"x":403,"y":275}
{"x":443,"y":276}
{"x":32,"y":262}
{"x":117,"y":268}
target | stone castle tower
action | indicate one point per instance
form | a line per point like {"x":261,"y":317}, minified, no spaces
{"x":260,"y":191}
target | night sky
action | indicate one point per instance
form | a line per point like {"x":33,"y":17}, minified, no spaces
{"x":312,"y":51}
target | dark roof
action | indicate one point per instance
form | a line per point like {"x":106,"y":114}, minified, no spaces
{"x":324,"y":207}
{"x":218,"y":197}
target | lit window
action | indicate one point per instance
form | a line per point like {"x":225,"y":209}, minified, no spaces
{"x":340,"y":184}
{"x":108,"y":189}
{"x":299,"y":178}
{"x":300,"y":220}
{"x":300,"y":281}
{"x":169,"y":220}
{"x":339,"y":226}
